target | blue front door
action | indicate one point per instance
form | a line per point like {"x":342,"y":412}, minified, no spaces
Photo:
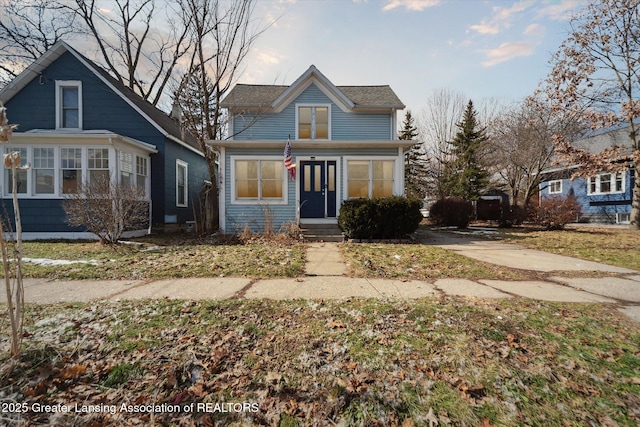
{"x":318,"y":189}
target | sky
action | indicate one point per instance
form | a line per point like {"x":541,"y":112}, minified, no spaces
{"x":484,"y":49}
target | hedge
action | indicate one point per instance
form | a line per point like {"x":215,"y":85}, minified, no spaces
{"x":452,"y":212}
{"x":380,"y":218}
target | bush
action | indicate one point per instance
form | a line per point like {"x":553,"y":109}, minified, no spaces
{"x":380,"y":218}
{"x":452,"y":212}
{"x":512,"y":215}
{"x":555,"y":212}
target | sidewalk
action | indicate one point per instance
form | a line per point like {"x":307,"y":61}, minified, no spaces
{"x":325,"y":279}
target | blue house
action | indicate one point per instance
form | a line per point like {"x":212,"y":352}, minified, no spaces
{"x":77,"y":124}
{"x":343,"y":145}
{"x":605,"y":197}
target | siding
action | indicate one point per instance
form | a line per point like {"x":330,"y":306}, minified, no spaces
{"x":103,"y":109}
{"x":599,"y":207}
{"x":39,"y":215}
{"x":344,"y":126}
{"x":253,"y":215}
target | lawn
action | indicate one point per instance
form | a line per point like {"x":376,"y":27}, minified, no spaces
{"x":441,"y":361}
{"x":164,"y":257}
{"x":614,"y":246}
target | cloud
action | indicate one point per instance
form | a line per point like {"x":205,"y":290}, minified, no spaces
{"x":506,"y":52}
{"x":415,"y":5}
{"x":501,"y":18}
{"x":535,"y":30}
{"x":562,"y":10}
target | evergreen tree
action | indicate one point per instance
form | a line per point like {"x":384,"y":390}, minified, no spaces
{"x":415,"y":165}
{"x":465,"y":175}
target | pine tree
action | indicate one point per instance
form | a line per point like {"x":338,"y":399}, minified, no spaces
{"x":465,"y":176}
{"x":415,"y":165}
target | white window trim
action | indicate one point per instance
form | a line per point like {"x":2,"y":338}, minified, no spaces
{"x":182,"y":163}
{"x":613,"y":179}
{"x":297,"y":107}
{"x":398,"y":170}
{"x":555,"y":181}
{"x":67,"y":83}
{"x":285,"y":180}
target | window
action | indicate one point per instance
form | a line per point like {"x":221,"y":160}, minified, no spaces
{"x":98,"y":164}
{"x":21,"y":176}
{"x":141,"y":173}
{"x":181,"y":183}
{"x":71,"y":169}
{"x":68,"y":104}
{"x":555,"y":187}
{"x":43,"y":170}
{"x":606,"y":183}
{"x":126,"y":168}
{"x":313,"y":122}
{"x":259,"y":179}
{"x":370,"y":178}
{"x":623,"y":218}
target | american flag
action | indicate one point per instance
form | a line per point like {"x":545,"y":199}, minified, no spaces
{"x":288,"y":162}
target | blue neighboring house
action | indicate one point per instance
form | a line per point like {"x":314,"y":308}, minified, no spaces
{"x":343,"y":143}
{"x":605,"y":197}
{"x":77,"y":123}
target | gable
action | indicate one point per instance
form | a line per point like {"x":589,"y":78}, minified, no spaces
{"x":108,"y":102}
{"x":275,"y":98}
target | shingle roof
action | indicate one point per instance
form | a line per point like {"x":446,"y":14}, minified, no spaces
{"x":244,"y":95}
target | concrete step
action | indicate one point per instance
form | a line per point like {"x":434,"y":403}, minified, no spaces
{"x":321,"y":233}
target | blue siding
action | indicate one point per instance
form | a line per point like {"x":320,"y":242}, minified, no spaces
{"x":39,"y":215}
{"x":597,"y":207}
{"x":240,"y":215}
{"x":344,"y":126}
{"x":103,"y":109}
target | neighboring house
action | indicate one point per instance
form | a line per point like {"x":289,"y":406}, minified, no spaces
{"x":76,"y":124}
{"x":343,"y":144}
{"x":605,"y":197}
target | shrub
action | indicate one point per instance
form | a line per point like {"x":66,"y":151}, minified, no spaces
{"x":380,"y":218}
{"x":554,"y":212}
{"x":512,"y":215}
{"x":452,"y":212}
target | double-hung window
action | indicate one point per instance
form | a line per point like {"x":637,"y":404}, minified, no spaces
{"x":98,"y":164}
{"x":44,"y":170}
{"x":313,"y":122}
{"x":181,"y":184}
{"x":258,"y":180}
{"x":606,"y":183}
{"x":141,"y":172}
{"x":555,"y":187}
{"x":69,"y":104}
{"x":370,"y":178}
{"x":126,"y":168}
{"x":21,"y":176}
{"x":71,"y":169}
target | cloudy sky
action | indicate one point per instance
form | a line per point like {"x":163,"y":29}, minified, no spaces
{"x":484,"y":49}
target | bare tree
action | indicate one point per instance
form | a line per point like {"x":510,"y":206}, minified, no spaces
{"x":437,"y":127}
{"x":140,"y":57}
{"x":222,"y":34}
{"x":596,"y":73}
{"x":522,"y":145}
{"x":28,"y":28}
{"x":13,"y":273}
{"x":107,"y":209}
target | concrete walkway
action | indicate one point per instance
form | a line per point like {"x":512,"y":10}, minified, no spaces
{"x":326,"y":279}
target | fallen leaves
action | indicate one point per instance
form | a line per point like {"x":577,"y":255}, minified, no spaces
{"x":432,"y":362}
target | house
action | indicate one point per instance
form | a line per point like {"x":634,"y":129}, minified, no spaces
{"x":77,"y":124}
{"x":343,"y":142}
{"x":605,"y":197}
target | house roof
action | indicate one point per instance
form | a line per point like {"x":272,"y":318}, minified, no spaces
{"x":278,"y":96}
{"x":159,"y":119}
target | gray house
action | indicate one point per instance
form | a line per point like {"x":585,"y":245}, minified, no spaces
{"x":77,"y":123}
{"x":343,"y":144}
